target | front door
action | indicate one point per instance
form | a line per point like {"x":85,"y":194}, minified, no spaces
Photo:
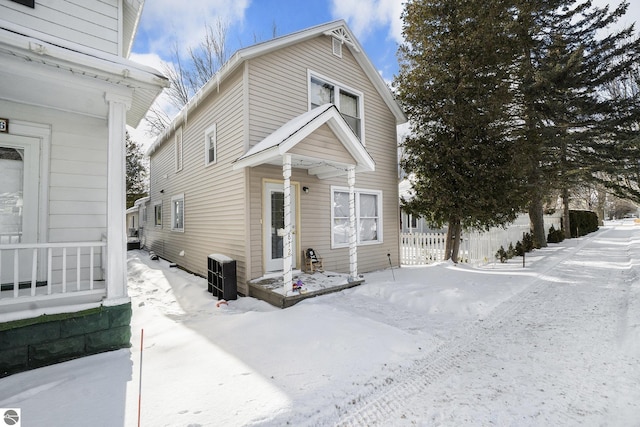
{"x":274,"y":226}
{"x":19,"y":180}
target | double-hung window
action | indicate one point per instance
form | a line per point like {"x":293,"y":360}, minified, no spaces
{"x":368,"y":211}
{"x":177,"y":213}
{"x":348,"y":101}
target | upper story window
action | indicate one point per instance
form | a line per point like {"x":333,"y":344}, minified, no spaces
{"x":178,"y":149}
{"x":348,"y":101}
{"x":210,"y":143}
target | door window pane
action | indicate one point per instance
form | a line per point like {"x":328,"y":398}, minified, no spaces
{"x":277,"y":225}
{"x":11,"y":194}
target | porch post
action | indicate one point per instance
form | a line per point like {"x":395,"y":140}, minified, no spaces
{"x":116,"y":268}
{"x":353,"y":245}
{"x":288,"y":238}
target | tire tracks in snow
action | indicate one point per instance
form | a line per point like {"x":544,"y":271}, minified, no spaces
{"x":386,"y":403}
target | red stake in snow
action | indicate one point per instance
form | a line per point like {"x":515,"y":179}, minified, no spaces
{"x":140,"y":379}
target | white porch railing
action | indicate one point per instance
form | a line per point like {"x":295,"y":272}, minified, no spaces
{"x":476,"y":247}
{"x":40,"y":270}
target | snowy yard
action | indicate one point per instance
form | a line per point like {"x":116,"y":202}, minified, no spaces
{"x":554,"y":343}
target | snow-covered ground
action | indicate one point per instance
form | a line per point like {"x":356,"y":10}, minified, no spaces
{"x":554,"y":343}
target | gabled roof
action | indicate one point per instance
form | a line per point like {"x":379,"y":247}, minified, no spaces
{"x":338,"y":29}
{"x":271,"y":149}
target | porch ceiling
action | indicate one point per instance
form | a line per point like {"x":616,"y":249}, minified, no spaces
{"x":39,"y":73}
{"x":287,"y":138}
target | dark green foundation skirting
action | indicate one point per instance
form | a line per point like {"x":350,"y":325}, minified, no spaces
{"x":49,"y":339}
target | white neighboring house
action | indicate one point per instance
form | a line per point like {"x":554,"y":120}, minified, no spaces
{"x":410,"y":223}
{"x":66,"y":93}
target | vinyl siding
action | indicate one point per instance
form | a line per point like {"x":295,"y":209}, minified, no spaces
{"x":214,"y":196}
{"x":224,"y":208}
{"x":323,"y":144}
{"x":89,"y":23}
{"x":278,"y":92}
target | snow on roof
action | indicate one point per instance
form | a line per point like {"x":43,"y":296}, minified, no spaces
{"x":274,"y":146}
{"x":287,"y":130}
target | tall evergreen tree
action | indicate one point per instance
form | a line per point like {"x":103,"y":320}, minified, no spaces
{"x":456,"y":88}
{"x":572,"y":131}
{"x":136,"y":180}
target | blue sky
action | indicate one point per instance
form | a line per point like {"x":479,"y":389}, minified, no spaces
{"x":376,"y":24}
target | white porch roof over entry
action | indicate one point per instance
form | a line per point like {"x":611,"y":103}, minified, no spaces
{"x":271,"y":149}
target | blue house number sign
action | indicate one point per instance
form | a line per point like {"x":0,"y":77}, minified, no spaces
{"x":4,"y":125}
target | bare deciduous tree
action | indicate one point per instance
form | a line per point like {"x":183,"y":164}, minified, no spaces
{"x":187,"y":75}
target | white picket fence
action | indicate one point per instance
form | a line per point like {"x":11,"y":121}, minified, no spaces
{"x":477,"y":247}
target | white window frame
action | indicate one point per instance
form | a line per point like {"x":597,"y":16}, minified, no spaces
{"x":174,"y":200}
{"x":157,"y":223}
{"x":144,"y":215}
{"x":210,"y":138}
{"x":358,"y":192}
{"x":179,"y":149}
{"x":337,"y":87}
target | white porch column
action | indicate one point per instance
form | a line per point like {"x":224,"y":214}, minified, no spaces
{"x":288,"y":238}
{"x":116,"y":268}
{"x":353,"y":244}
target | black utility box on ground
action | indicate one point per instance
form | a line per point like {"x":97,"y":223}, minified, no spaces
{"x":221,"y":277}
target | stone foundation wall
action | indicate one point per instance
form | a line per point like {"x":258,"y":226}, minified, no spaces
{"x":49,"y":339}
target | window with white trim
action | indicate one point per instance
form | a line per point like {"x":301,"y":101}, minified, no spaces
{"x":157,"y":212}
{"x":348,"y":101}
{"x":177,"y":213}
{"x":178,"y":149}
{"x":210,"y":138}
{"x":368,"y":217}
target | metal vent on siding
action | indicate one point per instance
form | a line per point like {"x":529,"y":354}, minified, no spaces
{"x":337,"y":47}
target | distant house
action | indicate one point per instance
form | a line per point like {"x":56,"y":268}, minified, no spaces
{"x":263,"y":162}
{"x":66,"y":94}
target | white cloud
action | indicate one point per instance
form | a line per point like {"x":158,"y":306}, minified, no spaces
{"x":364,"y":16}
{"x":170,"y":21}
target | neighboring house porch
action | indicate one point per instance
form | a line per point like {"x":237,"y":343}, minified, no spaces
{"x":65,"y":106}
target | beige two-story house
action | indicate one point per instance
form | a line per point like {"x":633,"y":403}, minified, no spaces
{"x":291,"y":145}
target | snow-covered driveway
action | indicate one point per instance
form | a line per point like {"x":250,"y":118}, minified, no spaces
{"x":556,"y":343}
{"x":564,"y":351}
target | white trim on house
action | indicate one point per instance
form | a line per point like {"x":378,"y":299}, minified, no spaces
{"x":210,"y":145}
{"x":337,"y":88}
{"x":43,"y":133}
{"x":142,"y":83}
{"x":379,"y":209}
{"x":271,"y":149}
{"x":157,"y":214}
{"x":177,"y":213}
